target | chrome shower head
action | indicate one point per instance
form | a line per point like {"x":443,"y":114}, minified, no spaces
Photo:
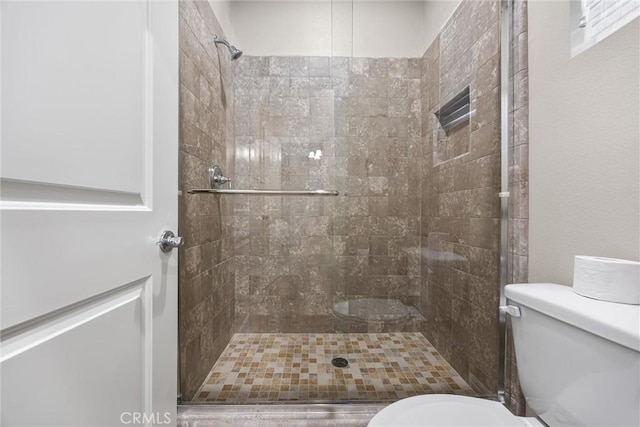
{"x":234,"y":51}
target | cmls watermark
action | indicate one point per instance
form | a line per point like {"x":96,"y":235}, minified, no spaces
{"x":142,"y":418}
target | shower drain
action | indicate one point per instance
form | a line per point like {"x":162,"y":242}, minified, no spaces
{"x":339,"y":362}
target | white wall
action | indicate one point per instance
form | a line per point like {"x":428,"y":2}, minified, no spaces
{"x":323,"y":28}
{"x":282,"y":28}
{"x":222,"y":10}
{"x":584,"y":145}
{"x":387,"y":28}
{"x":436,"y":14}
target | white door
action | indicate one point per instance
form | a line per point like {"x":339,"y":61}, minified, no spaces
{"x":89,"y":181}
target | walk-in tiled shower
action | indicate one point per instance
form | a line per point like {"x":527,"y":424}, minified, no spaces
{"x":398,"y":274}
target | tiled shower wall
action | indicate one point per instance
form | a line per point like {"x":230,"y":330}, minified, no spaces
{"x":460,"y":205}
{"x":206,"y":282}
{"x":518,"y":186}
{"x":298,"y":256}
{"x":417,"y":218}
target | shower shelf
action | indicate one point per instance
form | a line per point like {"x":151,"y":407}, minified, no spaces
{"x":266,"y":192}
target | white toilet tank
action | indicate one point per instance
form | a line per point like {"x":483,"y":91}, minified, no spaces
{"x":578,"y":358}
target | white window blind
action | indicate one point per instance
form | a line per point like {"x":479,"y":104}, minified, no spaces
{"x":594,"y":20}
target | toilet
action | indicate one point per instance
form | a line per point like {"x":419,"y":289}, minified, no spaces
{"x":578,"y":363}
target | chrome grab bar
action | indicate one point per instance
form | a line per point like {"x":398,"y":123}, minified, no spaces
{"x":266,"y":192}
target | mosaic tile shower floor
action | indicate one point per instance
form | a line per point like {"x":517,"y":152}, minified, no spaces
{"x":285,"y":368}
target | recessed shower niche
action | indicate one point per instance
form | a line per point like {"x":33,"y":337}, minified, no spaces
{"x":452,"y":127}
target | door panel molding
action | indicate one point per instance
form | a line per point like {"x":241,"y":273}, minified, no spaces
{"x":43,"y":195}
{"x":26,"y":335}
{"x":101,"y":129}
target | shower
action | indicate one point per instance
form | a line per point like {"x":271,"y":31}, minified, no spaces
{"x":234,"y":51}
{"x":382,"y":290}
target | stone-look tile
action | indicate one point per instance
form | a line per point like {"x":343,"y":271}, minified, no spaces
{"x":521,"y":53}
{"x":379,"y":116}
{"x":487,"y":45}
{"x":487,"y":109}
{"x":404,"y":107}
{"x":321,"y":106}
{"x":520,"y":127}
{"x":340,"y":66}
{"x":367,"y":126}
{"x":252,"y":66}
{"x":519,"y":202}
{"x":363,"y":107}
{"x":488,"y":77}
{"x":455,"y":34}
{"x":206,"y":264}
{"x":518,"y":179}
{"x":189,"y":75}
{"x":361,"y":86}
{"x":460,"y":204}
{"x":398,"y":88}
{"x":289,"y":106}
{"x":323,"y":86}
{"x":521,"y":90}
{"x":279,"y":66}
{"x":520,"y":16}
{"x":484,"y":17}
{"x":455,"y":74}
{"x":519,"y":163}
{"x":414,"y":88}
{"x":399,"y":68}
{"x":370,"y":67}
{"x":297,"y":368}
{"x":289,"y":86}
{"x":287,"y":126}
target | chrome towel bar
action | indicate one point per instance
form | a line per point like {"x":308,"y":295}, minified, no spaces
{"x":266,"y":192}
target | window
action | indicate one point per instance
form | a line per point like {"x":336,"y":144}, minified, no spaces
{"x":594,"y":20}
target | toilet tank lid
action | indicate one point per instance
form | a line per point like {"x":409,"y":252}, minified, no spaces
{"x":615,"y":322}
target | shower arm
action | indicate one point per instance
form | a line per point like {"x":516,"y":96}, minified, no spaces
{"x":234,"y":51}
{"x":216,"y":40}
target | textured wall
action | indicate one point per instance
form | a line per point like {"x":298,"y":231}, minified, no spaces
{"x":297,"y":256}
{"x":206,"y":263}
{"x":518,"y":187}
{"x":460,"y":204}
{"x":585,"y":150}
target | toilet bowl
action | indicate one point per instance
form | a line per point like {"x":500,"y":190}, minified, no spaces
{"x":448,"y":410}
{"x":552,"y":326}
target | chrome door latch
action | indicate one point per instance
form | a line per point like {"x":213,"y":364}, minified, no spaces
{"x":168,"y":241}
{"x":511,"y":310}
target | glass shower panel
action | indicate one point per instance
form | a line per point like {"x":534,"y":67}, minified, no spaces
{"x":378,"y":145}
{"x":376,"y":222}
{"x":291,"y":268}
{"x":409,"y":248}
{"x":461,"y":210}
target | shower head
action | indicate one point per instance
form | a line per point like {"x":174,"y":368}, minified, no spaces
{"x":234,"y":51}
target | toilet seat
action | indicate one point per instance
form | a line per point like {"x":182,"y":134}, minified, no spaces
{"x":446,"y":410}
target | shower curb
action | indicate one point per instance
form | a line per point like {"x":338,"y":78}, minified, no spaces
{"x":288,"y":415}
